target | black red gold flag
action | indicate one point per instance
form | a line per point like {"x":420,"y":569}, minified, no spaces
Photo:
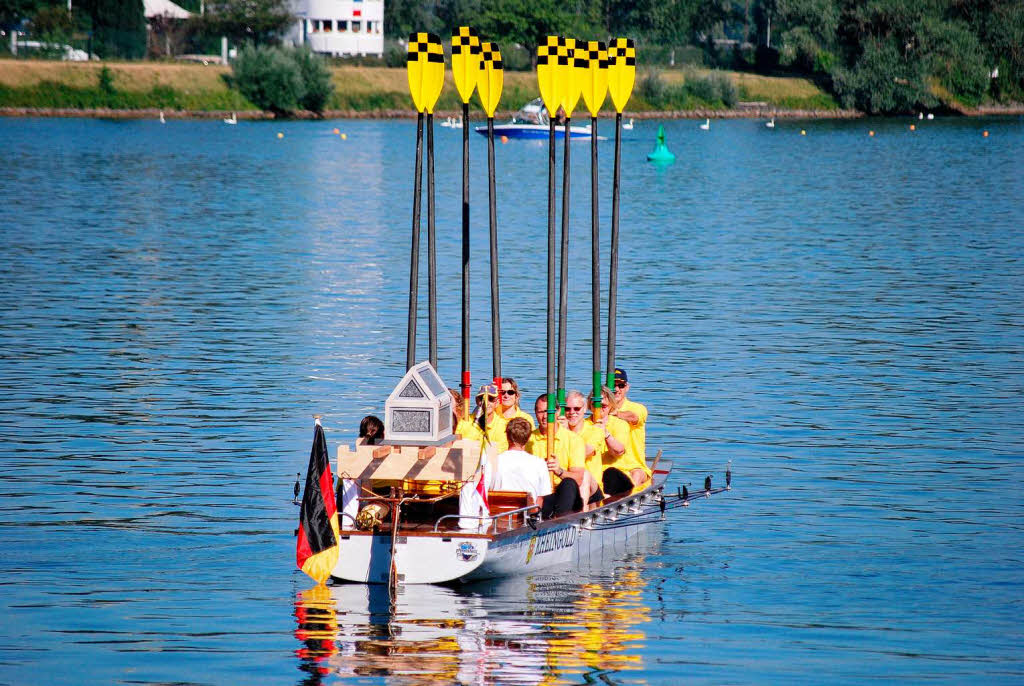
{"x":317,"y":549}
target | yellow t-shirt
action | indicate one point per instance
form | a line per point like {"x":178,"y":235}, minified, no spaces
{"x":524,"y":415}
{"x":604,"y":459}
{"x":569,"y":450}
{"x":495,"y":436}
{"x":638,"y":431}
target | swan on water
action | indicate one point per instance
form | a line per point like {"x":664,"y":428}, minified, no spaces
{"x":232,"y":120}
{"x":770,"y":124}
{"x":706,"y":125}
{"x":629,"y":126}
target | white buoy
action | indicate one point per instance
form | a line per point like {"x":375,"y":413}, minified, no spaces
{"x":931,"y":116}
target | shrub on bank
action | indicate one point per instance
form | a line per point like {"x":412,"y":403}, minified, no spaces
{"x":282,"y":80}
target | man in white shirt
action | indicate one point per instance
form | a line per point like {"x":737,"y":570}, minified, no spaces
{"x":517,"y":470}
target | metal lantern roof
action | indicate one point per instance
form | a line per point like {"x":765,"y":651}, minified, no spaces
{"x":419,"y":410}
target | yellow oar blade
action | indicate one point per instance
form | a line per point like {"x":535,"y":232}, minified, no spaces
{"x":621,"y":71}
{"x":595,"y":81}
{"x":414,"y":67}
{"x":547,"y":76}
{"x":492,"y":77}
{"x":465,"y":61}
{"x":578,"y":76}
{"x":563,"y":71}
{"x":433,"y":73}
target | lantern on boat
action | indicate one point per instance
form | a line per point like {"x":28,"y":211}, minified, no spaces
{"x":419,"y":410}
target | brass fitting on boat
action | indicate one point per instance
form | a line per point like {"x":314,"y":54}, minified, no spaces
{"x":372,"y":516}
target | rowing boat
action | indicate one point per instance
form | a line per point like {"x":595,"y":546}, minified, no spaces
{"x":429,"y":546}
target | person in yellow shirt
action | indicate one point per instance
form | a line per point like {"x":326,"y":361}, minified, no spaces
{"x":621,"y":470}
{"x":599,"y":444}
{"x":510,"y":398}
{"x":632,"y":413}
{"x":573,"y":484}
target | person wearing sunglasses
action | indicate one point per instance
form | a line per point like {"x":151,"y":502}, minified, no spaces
{"x":488,"y":421}
{"x":600,"y":445}
{"x":510,"y":409}
{"x":632,"y":413}
{"x":572,"y":484}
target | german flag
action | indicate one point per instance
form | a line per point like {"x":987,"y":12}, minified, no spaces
{"x":317,"y":549}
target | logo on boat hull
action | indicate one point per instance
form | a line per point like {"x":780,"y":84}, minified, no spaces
{"x":551,"y":540}
{"x":467,"y":552}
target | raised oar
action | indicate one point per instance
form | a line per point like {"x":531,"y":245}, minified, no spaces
{"x":621,"y":75}
{"x":433,"y":83}
{"x":489,"y":86}
{"x":466,"y":71}
{"x":570,"y":77}
{"x":415,"y":62}
{"x":547,"y":57}
{"x":595,"y":90}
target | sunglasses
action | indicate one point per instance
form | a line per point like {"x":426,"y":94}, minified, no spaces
{"x":507,"y":391}
{"x":573,"y":409}
{"x":620,"y":384}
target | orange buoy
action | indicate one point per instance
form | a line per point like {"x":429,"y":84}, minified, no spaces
{"x":280,"y":135}
{"x":913,"y":128}
{"x":504,"y":139}
{"x":984,"y":134}
{"x":336,"y":132}
{"x":871,"y":133}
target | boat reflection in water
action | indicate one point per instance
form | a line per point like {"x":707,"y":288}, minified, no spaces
{"x":541,"y":629}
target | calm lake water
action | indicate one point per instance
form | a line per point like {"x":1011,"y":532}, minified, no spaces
{"x":840,"y":315}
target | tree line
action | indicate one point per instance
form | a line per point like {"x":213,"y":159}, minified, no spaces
{"x":878,"y":56}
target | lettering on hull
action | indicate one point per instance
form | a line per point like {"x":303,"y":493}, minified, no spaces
{"x":551,"y":540}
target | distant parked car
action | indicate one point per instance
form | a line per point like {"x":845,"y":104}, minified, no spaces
{"x":67,"y":53}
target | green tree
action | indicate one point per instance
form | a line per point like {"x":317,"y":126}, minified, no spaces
{"x":248,"y":21}
{"x":316,"y":80}
{"x":118,"y":27}
{"x":526,"y":22}
{"x":13,"y":12}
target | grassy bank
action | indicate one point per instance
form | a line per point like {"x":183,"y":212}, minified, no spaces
{"x":194,"y":87}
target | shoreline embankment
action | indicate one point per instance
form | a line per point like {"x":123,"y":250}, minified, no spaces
{"x":154,"y":113}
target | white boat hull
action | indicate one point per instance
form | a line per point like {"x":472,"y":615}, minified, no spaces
{"x":432,"y":558}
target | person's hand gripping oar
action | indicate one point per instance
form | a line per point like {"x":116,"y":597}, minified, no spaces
{"x":595,"y":90}
{"x":621,"y":75}
{"x":547,"y":58}
{"x":425,"y":70}
{"x":492,"y":76}
{"x":466,"y":71}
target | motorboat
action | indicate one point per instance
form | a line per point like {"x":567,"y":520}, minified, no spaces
{"x":532,"y":121}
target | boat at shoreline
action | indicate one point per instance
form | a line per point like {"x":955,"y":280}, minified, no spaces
{"x":532,"y":121}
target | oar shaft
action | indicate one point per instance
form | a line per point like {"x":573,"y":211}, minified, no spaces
{"x":495,"y":305}
{"x":431,"y":252}
{"x":414,"y":257}
{"x":466,"y":383}
{"x":613,"y":270}
{"x":595,"y":268}
{"x":552,"y":404}
{"x":563,"y":281}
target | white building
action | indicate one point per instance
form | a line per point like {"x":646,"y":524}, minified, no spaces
{"x":339,"y":27}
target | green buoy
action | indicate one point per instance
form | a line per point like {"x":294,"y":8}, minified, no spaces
{"x":660,"y":152}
